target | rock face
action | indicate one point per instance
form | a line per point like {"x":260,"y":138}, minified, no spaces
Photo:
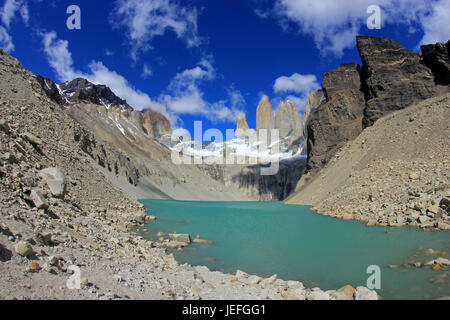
{"x":242,"y":123}
{"x":51,"y":89}
{"x":437,"y":58}
{"x":340,"y":119}
{"x":315,"y":99}
{"x":155,"y":124}
{"x":264,"y":115}
{"x":393,"y":77}
{"x":288,"y":121}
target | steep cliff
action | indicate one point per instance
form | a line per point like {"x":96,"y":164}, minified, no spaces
{"x":315,"y":100}
{"x":289,"y":124}
{"x":391,"y":78}
{"x":437,"y":58}
{"x":338,"y":120}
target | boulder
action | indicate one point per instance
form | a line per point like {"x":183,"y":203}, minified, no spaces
{"x":183,"y":238}
{"x":269,"y":281}
{"x":341,"y":296}
{"x":202,"y":241}
{"x":175,"y":244}
{"x":296,"y":294}
{"x":253,"y":280}
{"x":439,"y":261}
{"x":349,"y":291}
{"x":362,"y":293}
{"x":241,"y":276}
{"x":319,"y":295}
{"x":434,"y":209}
{"x":38,"y":199}
{"x":445,"y":204}
{"x":23,"y":248}
{"x":55,"y":180}
{"x":32,"y":139}
{"x":43,"y":238}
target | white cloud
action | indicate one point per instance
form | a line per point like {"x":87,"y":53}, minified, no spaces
{"x":147,"y":71}
{"x":183,"y":97}
{"x":25,"y":14}
{"x":186,"y":97}
{"x":147,"y":19}
{"x":436,"y":25}
{"x":297,"y":83}
{"x":334,"y":24}
{"x":5,"y":40}
{"x":9,"y":9}
{"x":59,"y":56}
{"x":7,"y":15}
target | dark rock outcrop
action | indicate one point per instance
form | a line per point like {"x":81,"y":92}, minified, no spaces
{"x":339,"y":119}
{"x":393,"y":77}
{"x":51,"y":90}
{"x":315,"y":100}
{"x":82,"y":91}
{"x":437,"y":58}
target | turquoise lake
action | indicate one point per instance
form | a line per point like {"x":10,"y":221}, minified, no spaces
{"x":297,"y":244}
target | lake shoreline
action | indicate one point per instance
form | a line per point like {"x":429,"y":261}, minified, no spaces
{"x":166,"y":242}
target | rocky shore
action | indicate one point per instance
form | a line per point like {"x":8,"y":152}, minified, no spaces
{"x":394,"y":174}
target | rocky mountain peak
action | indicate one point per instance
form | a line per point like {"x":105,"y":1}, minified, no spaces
{"x":264,"y":115}
{"x":242,"y":123}
{"x":81,"y":90}
{"x":288,"y":121}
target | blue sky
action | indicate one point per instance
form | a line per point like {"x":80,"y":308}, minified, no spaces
{"x":208,"y":60}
